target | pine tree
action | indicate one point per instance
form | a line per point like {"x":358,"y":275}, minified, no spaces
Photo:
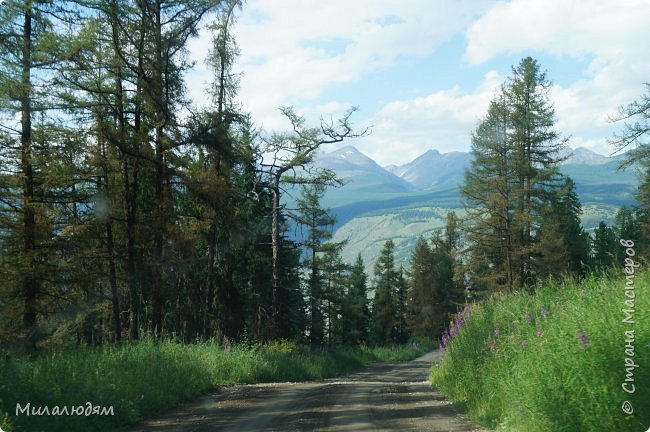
{"x":629,"y":226}
{"x":447,"y":297}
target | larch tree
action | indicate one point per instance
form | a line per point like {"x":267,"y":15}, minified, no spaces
{"x":537,"y":149}
{"x":515,"y":169}
{"x":286,"y":159}
{"x":31,"y":47}
{"x":490,"y":196}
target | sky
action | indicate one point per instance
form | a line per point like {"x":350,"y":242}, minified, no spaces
{"x":422,"y":72}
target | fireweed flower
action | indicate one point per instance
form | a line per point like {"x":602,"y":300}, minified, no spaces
{"x":584,"y":340}
{"x":457,"y":322}
{"x":539,"y":333}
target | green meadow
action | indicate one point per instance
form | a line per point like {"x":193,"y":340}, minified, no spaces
{"x":555,"y":359}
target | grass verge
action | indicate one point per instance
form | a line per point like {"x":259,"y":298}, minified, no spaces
{"x":554,"y":360}
{"x":138,"y":380}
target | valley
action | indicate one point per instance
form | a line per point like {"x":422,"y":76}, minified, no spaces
{"x":403,"y":202}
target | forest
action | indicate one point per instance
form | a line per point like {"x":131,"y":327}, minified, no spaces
{"x":126,"y":212}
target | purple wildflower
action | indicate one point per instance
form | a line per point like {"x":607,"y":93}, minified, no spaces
{"x":584,"y":340}
{"x":539,"y":332}
{"x":445,"y":338}
{"x":497,"y":331}
{"x":544,"y":312}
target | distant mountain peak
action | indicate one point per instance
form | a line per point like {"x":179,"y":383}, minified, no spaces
{"x":433,"y":168}
{"x":345,"y":150}
{"x":361,"y":171}
{"x":582,"y":155}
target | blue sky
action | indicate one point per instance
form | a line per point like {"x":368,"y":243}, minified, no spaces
{"x":422,"y":72}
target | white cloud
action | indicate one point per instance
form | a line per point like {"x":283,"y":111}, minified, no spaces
{"x":442,"y":120}
{"x":613,"y":35}
{"x":283,"y":64}
{"x":294,"y":51}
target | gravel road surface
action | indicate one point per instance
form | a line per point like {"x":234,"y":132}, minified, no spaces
{"x":385,"y":396}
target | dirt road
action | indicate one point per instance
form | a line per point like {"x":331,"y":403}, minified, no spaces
{"x":386,"y":396}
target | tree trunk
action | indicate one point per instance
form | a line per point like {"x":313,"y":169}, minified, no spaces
{"x":159,"y":105}
{"x":110,"y":241}
{"x":275,"y":246}
{"x":29,"y":282}
{"x":130,"y":220}
{"x":112,"y":275}
{"x":212,"y":252}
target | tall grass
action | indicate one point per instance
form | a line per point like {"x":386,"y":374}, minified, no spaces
{"x":140,"y":379}
{"x":553,"y":360}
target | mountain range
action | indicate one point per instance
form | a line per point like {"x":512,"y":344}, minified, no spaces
{"x":403,"y":202}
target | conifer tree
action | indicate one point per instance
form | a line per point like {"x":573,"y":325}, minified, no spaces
{"x":605,"y":246}
{"x":318,"y":222}
{"x":509,"y":184}
{"x":490,"y":197}
{"x":423,"y":316}
{"x":356,"y":313}
{"x":286,"y":159}
{"x":384,"y":309}
{"x":334,"y":278}
{"x":563,"y":246}
{"x":33,"y":195}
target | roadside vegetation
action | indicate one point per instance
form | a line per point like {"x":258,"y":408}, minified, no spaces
{"x":554,"y":360}
{"x":138,"y":380}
